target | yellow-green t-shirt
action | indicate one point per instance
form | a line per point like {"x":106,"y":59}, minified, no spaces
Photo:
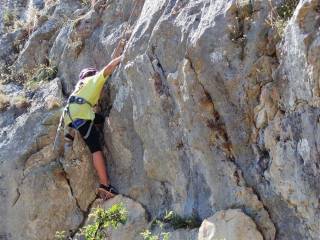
{"x":89,"y":89}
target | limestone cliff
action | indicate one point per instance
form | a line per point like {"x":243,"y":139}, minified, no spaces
{"x":214,"y":112}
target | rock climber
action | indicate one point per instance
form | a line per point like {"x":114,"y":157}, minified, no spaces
{"x":79,"y":115}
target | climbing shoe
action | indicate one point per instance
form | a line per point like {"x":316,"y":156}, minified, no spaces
{"x":106,"y":192}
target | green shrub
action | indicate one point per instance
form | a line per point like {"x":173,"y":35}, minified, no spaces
{"x":103,"y":219}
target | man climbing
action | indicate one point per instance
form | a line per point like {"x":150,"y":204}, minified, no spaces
{"x":79,"y":115}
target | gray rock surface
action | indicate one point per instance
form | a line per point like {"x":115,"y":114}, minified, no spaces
{"x":210,"y":110}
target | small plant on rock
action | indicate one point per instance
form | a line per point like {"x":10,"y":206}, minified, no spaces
{"x":147,"y":235}
{"x":168,"y":221}
{"x":45,"y":73}
{"x":286,"y":9}
{"x":103,"y":219}
{"x":42,"y":73}
{"x":85,"y":3}
{"x":4,"y":102}
{"x":60,"y":235}
{"x":8,"y":17}
{"x":19,"y":102}
{"x":177,"y":221}
{"x":281,"y":14}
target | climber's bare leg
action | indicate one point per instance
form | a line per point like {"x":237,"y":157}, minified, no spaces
{"x":99,"y":165}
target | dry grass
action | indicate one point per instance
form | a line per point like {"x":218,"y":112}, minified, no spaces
{"x":4,"y":102}
{"x":19,"y":102}
{"x":53,"y":102}
{"x":281,"y":14}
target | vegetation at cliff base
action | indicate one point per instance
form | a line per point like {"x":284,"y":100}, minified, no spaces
{"x":102,"y":221}
{"x":177,"y":221}
{"x":170,"y":220}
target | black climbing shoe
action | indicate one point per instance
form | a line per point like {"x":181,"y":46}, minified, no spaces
{"x":106,"y":192}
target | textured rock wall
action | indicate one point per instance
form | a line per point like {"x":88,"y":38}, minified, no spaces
{"x":210,"y":110}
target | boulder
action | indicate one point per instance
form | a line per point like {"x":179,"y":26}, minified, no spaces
{"x":230,"y":224}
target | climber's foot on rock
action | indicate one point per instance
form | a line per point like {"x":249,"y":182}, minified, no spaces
{"x":106,"y":192}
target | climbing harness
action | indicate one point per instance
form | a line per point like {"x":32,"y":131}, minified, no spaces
{"x":76,"y":123}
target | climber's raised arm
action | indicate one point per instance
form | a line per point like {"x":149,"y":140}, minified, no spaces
{"x":107,"y":70}
{"x":116,"y":56}
{"x":119,"y":49}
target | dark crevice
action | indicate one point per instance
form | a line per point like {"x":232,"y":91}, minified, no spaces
{"x":16,"y":198}
{"x":159,"y":76}
{"x":85,"y":213}
{"x":65,"y":174}
{"x":85,"y":217}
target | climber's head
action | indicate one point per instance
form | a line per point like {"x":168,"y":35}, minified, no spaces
{"x":87,"y":72}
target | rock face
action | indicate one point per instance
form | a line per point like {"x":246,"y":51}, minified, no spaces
{"x":230,"y":224}
{"x":209,"y":110}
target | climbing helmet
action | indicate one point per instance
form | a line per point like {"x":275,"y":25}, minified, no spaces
{"x":87,"y":72}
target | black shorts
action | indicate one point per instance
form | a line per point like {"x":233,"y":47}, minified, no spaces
{"x":92,"y":140}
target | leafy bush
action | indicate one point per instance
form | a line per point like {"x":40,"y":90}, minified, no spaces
{"x":104,"y":219}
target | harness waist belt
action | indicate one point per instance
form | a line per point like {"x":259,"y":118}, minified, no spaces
{"x":78,"y":100}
